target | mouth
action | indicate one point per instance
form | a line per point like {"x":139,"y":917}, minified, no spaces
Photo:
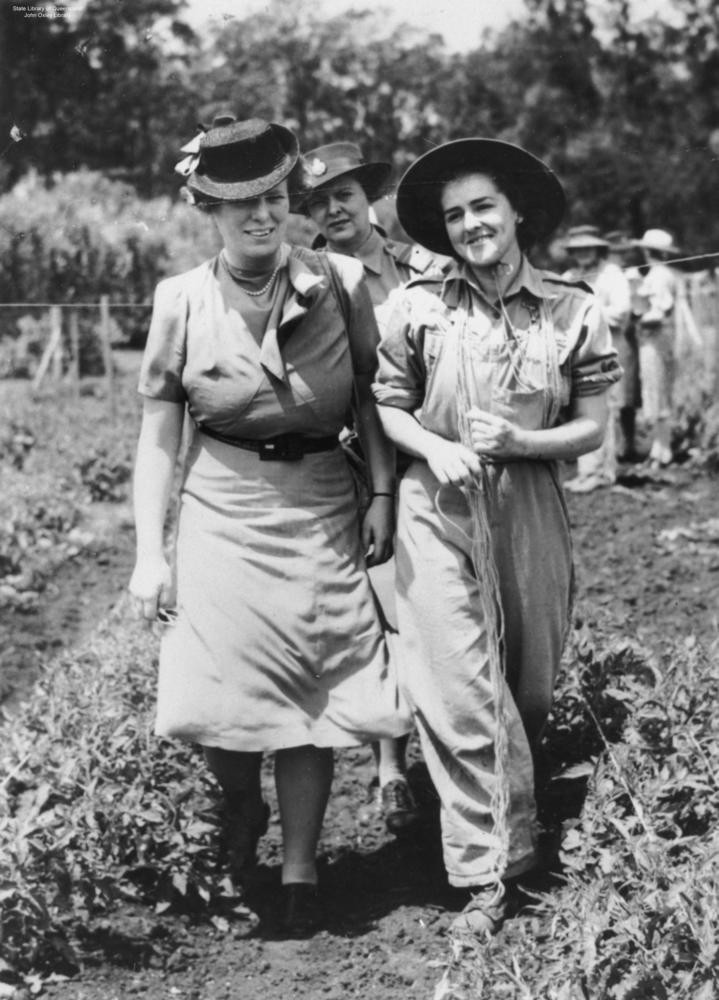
{"x":477,"y":239}
{"x":259,"y":234}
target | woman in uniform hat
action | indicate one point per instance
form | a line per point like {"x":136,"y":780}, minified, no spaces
{"x":341,"y":188}
{"x":489,"y":375}
{"x":277,"y":645}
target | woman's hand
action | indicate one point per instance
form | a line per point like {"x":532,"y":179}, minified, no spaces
{"x":494,"y":436}
{"x":151,"y":586}
{"x":451,"y":462}
{"x":378,"y":530}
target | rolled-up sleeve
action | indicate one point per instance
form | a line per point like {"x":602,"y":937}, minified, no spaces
{"x":164,"y":358}
{"x":401,"y":375}
{"x":590,"y":356}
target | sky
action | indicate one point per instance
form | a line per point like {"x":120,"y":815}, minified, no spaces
{"x":461,"y":22}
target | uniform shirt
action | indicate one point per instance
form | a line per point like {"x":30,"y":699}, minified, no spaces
{"x":387,"y":265}
{"x":528,"y":356}
{"x":612,"y":290}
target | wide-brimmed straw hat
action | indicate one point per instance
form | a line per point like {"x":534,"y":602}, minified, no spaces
{"x":659,"y":240}
{"x":418,"y":193}
{"x":326,"y":164}
{"x":585,"y":238}
{"x":236,"y":160}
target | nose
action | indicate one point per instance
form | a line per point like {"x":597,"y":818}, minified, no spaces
{"x":334,"y":205}
{"x":471,"y":219}
{"x":261,"y":209}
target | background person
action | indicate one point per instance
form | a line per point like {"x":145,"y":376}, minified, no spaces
{"x":277,"y":645}
{"x":658,"y":293}
{"x":488,"y":375}
{"x":343,"y":186}
{"x":626,"y":256}
{"x":590,"y":253}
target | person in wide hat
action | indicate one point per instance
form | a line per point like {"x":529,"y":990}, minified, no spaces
{"x":276,"y":645}
{"x":489,"y":374}
{"x":341,"y":186}
{"x":662,"y":299}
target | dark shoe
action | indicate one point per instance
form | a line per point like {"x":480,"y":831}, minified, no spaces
{"x":301,"y":912}
{"x":484,"y":913}
{"x":239,"y":837}
{"x":398,"y":806}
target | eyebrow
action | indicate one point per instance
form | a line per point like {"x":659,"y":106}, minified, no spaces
{"x":475,"y":201}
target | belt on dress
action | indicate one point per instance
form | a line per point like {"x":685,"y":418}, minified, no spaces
{"x":282,"y":448}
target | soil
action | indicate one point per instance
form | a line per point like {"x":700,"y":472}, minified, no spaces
{"x":647,"y":556}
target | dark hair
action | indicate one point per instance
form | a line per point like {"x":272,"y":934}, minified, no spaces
{"x":513,"y":186}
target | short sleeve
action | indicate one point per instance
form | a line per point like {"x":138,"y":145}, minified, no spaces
{"x":401,"y":374}
{"x":164,"y":358}
{"x":590,"y":356}
{"x":362,"y":328}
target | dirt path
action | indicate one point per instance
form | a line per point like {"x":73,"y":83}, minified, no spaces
{"x":647,"y":556}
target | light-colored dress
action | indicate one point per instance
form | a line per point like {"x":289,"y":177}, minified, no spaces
{"x":486,"y":575}
{"x":277,"y":642}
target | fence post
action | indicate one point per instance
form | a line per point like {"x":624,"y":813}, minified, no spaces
{"x":106,"y":337}
{"x":54,"y":346}
{"x":75,"y":349}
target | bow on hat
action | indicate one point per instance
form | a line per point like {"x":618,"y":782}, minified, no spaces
{"x":189,"y":163}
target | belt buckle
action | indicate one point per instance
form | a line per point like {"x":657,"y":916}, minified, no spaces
{"x":284,"y":449}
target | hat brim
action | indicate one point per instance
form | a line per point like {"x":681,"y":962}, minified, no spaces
{"x":374,"y":178}
{"x":657,"y":249}
{"x":205,"y":189}
{"x":418,"y":192}
{"x":586,"y":245}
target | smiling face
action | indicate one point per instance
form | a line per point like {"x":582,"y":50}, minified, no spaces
{"x":340,"y":211}
{"x":481,"y":221}
{"x":253,"y":230}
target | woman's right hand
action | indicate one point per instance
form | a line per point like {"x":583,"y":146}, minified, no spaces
{"x":151,"y":586}
{"x":452,"y":462}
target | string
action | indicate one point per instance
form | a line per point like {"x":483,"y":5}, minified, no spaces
{"x":485,"y":568}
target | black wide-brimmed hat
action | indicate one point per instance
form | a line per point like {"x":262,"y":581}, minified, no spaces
{"x":326,"y":164}
{"x":418,"y":193}
{"x":236,"y":160}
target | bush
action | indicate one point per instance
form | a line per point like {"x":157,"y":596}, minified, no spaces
{"x":635,"y":916}
{"x":80,"y":236}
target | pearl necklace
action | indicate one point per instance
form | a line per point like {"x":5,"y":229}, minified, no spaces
{"x":236,"y":272}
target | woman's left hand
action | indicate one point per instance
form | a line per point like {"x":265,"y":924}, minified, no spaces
{"x":378,"y":530}
{"x":495,"y":437}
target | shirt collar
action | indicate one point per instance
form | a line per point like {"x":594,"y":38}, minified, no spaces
{"x":371,"y":252}
{"x":527,"y":278}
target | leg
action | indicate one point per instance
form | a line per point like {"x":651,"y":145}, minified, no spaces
{"x":245,"y":814}
{"x":445,"y":671}
{"x":303,"y":776}
{"x":398,"y":805}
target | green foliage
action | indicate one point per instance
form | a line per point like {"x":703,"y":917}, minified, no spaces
{"x":53,"y":469}
{"x":635,"y":916}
